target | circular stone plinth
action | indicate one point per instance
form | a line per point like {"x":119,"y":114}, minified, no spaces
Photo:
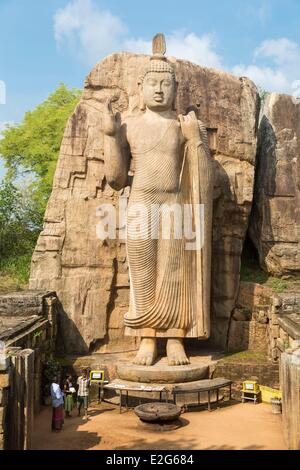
{"x":158,"y":412}
{"x":160,"y":427}
{"x":161,"y":372}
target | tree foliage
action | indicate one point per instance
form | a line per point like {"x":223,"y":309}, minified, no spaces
{"x":33,"y":146}
{"x":20,"y":222}
{"x":30,"y":151}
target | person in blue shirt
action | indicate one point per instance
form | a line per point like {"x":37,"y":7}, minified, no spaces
{"x":57,"y":396}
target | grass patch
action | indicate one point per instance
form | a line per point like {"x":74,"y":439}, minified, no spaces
{"x":10,"y":284}
{"x":277,"y":284}
{"x":245,"y":357}
{"x":251,"y":274}
{"x":14,"y":273}
{"x":17,"y":268}
{"x":258,"y":276}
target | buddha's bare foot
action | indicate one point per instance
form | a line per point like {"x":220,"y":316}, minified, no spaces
{"x":176,"y":353}
{"x":147,"y":352}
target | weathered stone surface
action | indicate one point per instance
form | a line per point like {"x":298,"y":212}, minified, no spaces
{"x":251,"y":326}
{"x":4,"y":380}
{"x":3,"y":396}
{"x":23,"y":303}
{"x":2,"y":418}
{"x":290,"y":384}
{"x":244,"y":335}
{"x":275,"y":221}
{"x":84,"y":270}
{"x":11,"y":327}
{"x":241,"y":314}
{"x":2,"y":441}
{"x":265,"y":373}
{"x":253,"y":296}
{"x":162,"y":373}
{"x":157,"y":412}
{"x":290,"y":302}
{"x":290,"y":324}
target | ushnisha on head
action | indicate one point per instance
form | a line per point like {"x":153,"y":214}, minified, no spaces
{"x":158,"y":84}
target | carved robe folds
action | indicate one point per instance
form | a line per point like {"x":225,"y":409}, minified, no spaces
{"x":170,"y":276}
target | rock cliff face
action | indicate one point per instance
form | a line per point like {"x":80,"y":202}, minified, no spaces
{"x":90,"y":276}
{"x":275,"y":221}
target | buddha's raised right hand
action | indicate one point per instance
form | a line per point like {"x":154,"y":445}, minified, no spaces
{"x":111,"y":121}
{"x":190,"y":126}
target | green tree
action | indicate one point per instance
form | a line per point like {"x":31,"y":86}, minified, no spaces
{"x":30,"y":151}
{"x":20,"y":222}
{"x":33,"y":146}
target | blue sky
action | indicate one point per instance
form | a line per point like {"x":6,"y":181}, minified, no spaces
{"x":44,"y":42}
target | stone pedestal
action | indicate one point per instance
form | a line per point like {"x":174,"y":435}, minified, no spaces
{"x":162,"y":373}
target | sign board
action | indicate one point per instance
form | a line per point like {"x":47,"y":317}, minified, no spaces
{"x":249,"y":386}
{"x":97,"y":376}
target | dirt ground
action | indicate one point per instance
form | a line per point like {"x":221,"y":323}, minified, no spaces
{"x":235,"y":427}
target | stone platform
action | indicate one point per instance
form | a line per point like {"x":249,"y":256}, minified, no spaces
{"x":159,"y":376}
{"x":120,"y":366}
{"x":136,"y":393}
{"x":162,"y":373}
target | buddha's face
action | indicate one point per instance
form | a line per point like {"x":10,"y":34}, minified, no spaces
{"x":159,"y":90}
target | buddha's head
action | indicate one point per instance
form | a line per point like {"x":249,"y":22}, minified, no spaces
{"x":158,"y":85}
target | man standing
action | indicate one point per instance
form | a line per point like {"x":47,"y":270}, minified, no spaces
{"x":83,"y":392}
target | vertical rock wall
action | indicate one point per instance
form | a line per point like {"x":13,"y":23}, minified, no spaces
{"x":275,"y":220}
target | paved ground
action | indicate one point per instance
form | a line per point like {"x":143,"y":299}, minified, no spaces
{"x":239,"y":426}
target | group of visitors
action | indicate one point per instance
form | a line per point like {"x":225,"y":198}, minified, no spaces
{"x":64,"y":398}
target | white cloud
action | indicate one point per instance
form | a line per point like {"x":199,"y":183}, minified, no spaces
{"x":88,"y":31}
{"x":199,"y":50}
{"x":91,"y":33}
{"x":138,"y":46}
{"x":282,"y":51}
{"x":283,"y":70}
{"x":266,"y":77}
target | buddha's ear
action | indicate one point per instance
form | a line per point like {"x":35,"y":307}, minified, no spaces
{"x":142,"y":105}
{"x":175,"y":96}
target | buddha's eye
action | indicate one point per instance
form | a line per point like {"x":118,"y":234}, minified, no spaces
{"x":167,"y":82}
{"x":151,"y":82}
